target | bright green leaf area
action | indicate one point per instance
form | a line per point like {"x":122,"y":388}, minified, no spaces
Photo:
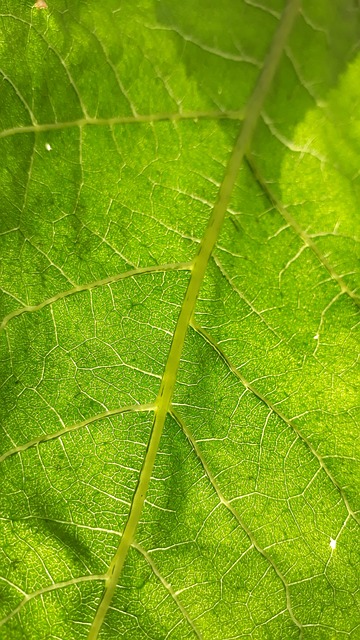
{"x":179,"y":343}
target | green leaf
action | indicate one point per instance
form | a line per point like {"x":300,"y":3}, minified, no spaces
{"x":179,"y":346}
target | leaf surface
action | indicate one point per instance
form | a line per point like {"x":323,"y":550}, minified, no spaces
{"x":179,"y":337}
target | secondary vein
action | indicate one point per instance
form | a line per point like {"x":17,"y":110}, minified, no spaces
{"x":110,"y":122}
{"x":180,"y":266}
{"x":199,"y":265}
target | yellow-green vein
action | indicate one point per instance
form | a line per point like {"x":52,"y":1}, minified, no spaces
{"x":48,"y":589}
{"x":163,"y":401}
{"x":181,"y":266}
{"x":74,"y":427}
{"x":237,"y":517}
{"x":168,"y":587}
{"x":305,"y":237}
{"x":138,"y":119}
{"x":274,"y":409}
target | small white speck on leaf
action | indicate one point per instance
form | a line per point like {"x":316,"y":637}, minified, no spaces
{"x":48,"y":147}
{"x":316,"y":337}
{"x":332,"y":543}
{"x":40,"y":4}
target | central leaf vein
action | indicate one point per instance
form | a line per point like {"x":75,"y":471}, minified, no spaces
{"x":199,"y":265}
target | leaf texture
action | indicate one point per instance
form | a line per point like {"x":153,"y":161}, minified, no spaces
{"x":179,"y":331}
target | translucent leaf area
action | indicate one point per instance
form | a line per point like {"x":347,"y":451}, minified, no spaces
{"x":179,"y":342}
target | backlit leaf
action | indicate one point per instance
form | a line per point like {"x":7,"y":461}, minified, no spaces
{"x":180,"y":452}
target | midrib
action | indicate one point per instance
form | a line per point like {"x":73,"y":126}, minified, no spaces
{"x":198,"y":268}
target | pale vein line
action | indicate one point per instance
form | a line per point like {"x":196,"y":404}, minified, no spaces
{"x":225,"y":55}
{"x":306,"y":238}
{"x":207,"y":337}
{"x":239,"y":293}
{"x":68,"y":523}
{"x":168,"y":587}
{"x":163,"y":401}
{"x":42,"y":37}
{"x":80,"y":425}
{"x":180,"y":266}
{"x":21,"y":98}
{"x":93,"y":34}
{"x":268,"y":10}
{"x":234,"y":512}
{"x":138,"y":119}
{"x":51,"y":587}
